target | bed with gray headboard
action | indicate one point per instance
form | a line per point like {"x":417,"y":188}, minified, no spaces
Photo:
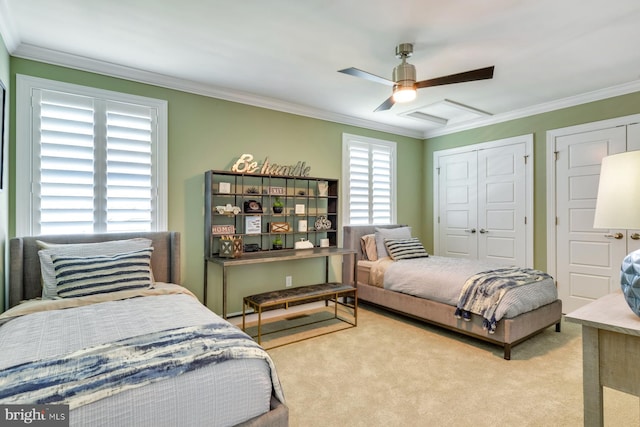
{"x":209,"y":388}
{"x":508,"y":331}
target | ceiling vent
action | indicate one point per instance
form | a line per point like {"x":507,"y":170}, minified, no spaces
{"x":445,"y":112}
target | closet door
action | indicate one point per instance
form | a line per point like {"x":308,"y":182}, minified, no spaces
{"x":482,"y":204}
{"x":457,"y":213}
{"x":502,"y":204}
{"x":588,"y":260}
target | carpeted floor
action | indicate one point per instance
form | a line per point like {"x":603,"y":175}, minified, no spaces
{"x":394,"y":371}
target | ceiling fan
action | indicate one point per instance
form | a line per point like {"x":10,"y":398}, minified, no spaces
{"x":404,"y":78}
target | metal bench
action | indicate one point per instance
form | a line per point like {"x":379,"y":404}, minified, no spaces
{"x":285,"y":297}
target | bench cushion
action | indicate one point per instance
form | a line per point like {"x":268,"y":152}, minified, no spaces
{"x":282,"y":296}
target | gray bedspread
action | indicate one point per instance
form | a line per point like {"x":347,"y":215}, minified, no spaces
{"x":221,"y":394}
{"x":442,"y":279}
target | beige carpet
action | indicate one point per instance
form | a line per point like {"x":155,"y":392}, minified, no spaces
{"x":394,"y":371}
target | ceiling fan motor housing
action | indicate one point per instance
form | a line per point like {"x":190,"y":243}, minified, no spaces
{"x":404,"y":75}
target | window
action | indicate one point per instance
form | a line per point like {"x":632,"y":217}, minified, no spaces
{"x":89,"y":160}
{"x":368,"y":180}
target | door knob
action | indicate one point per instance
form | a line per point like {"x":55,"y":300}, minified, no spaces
{"x":617,"y":236}
{"x":470,"y":230}
{"x":635,"y":236}
{"x":482,"y":230}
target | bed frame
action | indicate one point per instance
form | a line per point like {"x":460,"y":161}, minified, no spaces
{"x":24,"y":282}
{"x":509,"y":332}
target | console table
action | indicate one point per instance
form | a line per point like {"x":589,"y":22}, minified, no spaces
{"x":611,"y":348}
{"x":273,"y":256}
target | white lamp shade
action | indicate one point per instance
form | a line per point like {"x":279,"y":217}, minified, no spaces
{"x":618,"y":203}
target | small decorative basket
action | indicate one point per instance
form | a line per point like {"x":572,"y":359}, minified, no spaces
{"x":231,"y":248}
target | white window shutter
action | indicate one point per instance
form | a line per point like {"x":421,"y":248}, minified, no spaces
{"x":381,"y":170}
{"x":359,"y":197}
{"x":369,"y":180}
{"x":95,"y":162}
{"x":129,"y":167}
{"x":66,"y":184}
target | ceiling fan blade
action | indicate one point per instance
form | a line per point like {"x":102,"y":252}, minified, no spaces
{"x":365,"y":75}
{"x":386,"y":105}
{"x":467,"y":76}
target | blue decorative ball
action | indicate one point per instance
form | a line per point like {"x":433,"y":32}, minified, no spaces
{"x":630,"y":280}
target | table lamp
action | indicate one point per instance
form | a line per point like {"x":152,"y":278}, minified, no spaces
{"x":618,"y":207}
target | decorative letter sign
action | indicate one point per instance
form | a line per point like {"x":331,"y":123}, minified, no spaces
{"x":245,"y":164}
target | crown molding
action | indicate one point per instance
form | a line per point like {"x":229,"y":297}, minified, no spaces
{"x":31,"y":52}
{"x":7,"y":30}
{"x":546,"y":107}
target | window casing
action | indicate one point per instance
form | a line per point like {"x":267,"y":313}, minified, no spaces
{"x":368,"y":180}
{"x":88,"y":160}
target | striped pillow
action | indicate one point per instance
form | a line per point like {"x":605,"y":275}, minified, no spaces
{"x":111,"y":247}
{"x":81,"y":276}
{"x":405,"y":248}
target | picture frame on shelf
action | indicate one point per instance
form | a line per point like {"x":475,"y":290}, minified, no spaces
{"x":299,"y":209}
{"x":224,"y":188}
{"x":279,"y":227}
{"x":253,"y":224}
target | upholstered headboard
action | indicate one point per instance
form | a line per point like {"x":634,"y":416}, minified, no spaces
{"x":24,"y":262}
{"x":351,"y":235}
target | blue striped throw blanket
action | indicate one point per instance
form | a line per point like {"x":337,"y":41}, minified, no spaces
{"x":93,"y":373}
{"x":482,"y":292}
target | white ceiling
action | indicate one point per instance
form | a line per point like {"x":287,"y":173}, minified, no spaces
{"x":284,"y":54}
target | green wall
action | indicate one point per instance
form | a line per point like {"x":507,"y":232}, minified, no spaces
{"x":4,"y":198}
{"x":538,"y":125}
{"x":207,"y":133}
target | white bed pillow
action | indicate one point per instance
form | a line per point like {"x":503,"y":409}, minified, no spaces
{"x":82,"y":276}
{"x":112,"y":247}
{"x":390,"y":233}
{"x":405,"y":248}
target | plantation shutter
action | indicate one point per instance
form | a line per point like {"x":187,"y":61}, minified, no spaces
{"x":370,"y":178}
{"x":67,"y":161}
{"x":95,"y":164}
{"x":359,"y":195}
{"x":380,"y":185}
{"x":129,"y":167}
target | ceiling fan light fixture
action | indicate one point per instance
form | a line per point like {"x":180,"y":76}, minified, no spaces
{"x":404,"y":76}
{"x":404,"y":93}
